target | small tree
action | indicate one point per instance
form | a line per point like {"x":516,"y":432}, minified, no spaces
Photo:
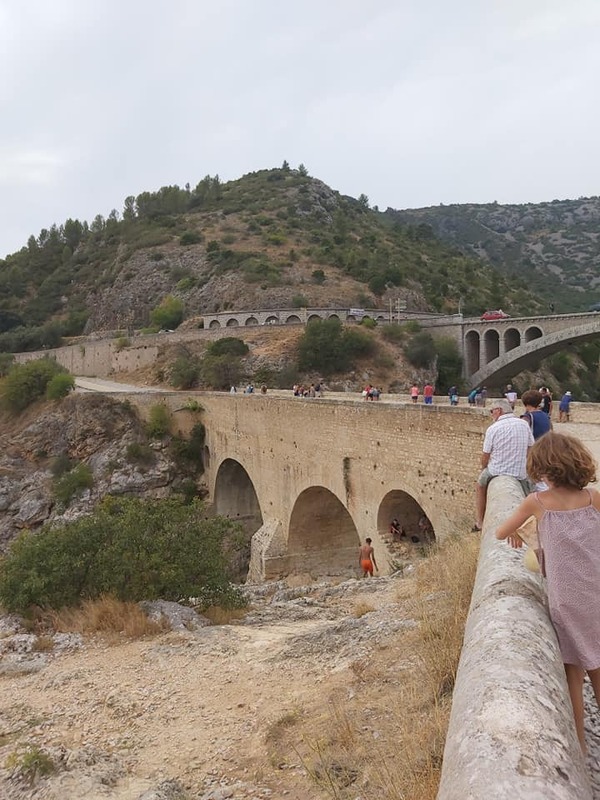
{"x":302,"y":170}
{"x":26,"y":383}
{"x":159,"y":422}
{"x":421,"y":350}
{"x":132,"y":549}
{"x":169,"y":314}
{"x":185,"y":372}
{"x":228,"y":346}
{"x":59,"y":386}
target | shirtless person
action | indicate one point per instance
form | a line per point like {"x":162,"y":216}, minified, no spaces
{"x":366,"y":559}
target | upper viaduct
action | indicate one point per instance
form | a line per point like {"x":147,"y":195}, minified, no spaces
{"x":492,"y":351}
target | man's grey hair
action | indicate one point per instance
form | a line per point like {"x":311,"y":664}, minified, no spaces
{"x":502,"y":404}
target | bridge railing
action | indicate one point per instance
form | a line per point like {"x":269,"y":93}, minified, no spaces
{"x":511,"y":732}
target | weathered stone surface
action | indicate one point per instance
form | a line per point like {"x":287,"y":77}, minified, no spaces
{"x":179,"y":617}
{"x":511,"y":731}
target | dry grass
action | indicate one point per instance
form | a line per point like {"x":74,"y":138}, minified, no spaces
{"x":43,"y":644}
{"x":362,"y":608}
{"x":107,"y":616}
{"x":387,"y":741}
{"x":223,"y":616}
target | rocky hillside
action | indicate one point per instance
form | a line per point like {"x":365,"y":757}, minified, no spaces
{"x":97,"y":441}
{"x":555,"y":246}
{"x":275,"y":238}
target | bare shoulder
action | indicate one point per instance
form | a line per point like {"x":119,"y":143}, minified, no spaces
{"x":595,"y":495}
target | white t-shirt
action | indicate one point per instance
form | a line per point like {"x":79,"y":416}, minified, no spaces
{"x":511,"y":397}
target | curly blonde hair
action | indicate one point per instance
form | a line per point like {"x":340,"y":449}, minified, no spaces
{"x":563,"y":460}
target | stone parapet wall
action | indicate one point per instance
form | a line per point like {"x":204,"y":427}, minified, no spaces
{"x":511,"y":732}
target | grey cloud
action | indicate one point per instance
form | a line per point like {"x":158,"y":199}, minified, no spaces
{"x":412,"y":104}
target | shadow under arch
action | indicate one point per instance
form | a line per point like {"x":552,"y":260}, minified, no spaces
{"x":322,"y":539}
{"x":400,"y":505}
{"x":235,"y":497}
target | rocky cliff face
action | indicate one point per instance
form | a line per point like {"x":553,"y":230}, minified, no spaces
{"x":94,"y":430}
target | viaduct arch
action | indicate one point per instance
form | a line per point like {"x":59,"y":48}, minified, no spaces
{"x":309,"y":479}
{"x":495,"y":350}
{"x":534,"y":346}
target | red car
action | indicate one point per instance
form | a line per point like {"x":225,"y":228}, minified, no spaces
{"x":490,"y":315}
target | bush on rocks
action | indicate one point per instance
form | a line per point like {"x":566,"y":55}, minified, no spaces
{"x":129,"y":548}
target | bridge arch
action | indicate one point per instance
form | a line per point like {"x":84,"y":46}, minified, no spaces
{"x":323,"y":538}
{"x":235,"y":497}
{"x":313,"y":317}
{"x":293,"y":319}
{"x":491,"y":344}
{"x":215,"y":324}
{"x":472,"y":346}
{"x":272,"y":320}
{"x":251,"y":321}
{"x":533,"y":333}
{"x":512,"y":339}
{"x":531,"y":351}
{"x":411,"y":515}
{"x":232,"y":323}
{"x":333,"y":316}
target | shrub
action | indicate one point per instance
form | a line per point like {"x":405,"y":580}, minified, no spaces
{"x":368,"y":322}
{"x":327,"y":347}
{"x":168,"y":315}
{"x":60,"y":465}
{"x":26,"y":383}
{"x":190,"y":237}
{"x":73,"y":483}
{"x":220,"y":371}
{"x":31,"y":764}
{"x":159,"y":421}
{"x":420,"y":351}
{"x":193,"y":405}
{"x":105,"y":615}
{"x":140,"y":453}
{"x":299,"y":301}
{"x":185,"y":372}
{"x":132,"y":549}
{"x":190,"y":452}
{"x":6,"y":362}
{"x":393,"y":333}
{"x":318,"y":276}
{"x":157,"y":256}
{"x":228,"y":346}
{"x":449,"y":363}
{"x":59,"y":386}
{"x":121,"y":343}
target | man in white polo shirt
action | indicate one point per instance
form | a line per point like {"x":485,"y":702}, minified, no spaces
{"x":505,"y":447}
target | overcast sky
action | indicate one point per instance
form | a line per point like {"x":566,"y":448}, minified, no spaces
{"x":413,"y":103}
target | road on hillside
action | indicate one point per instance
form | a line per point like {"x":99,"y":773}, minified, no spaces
{"x":100,"y":385}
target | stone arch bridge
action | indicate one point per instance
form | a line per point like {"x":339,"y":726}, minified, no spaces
{"x":309,"y":479}
{"x":494,"y":351}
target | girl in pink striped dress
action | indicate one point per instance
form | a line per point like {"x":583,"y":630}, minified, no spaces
{"x":568,"y":517}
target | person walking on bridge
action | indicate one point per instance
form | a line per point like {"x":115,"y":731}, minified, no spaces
{"x":505,"y":448}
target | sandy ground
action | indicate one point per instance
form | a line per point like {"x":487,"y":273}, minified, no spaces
{"x":200,"y":707}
